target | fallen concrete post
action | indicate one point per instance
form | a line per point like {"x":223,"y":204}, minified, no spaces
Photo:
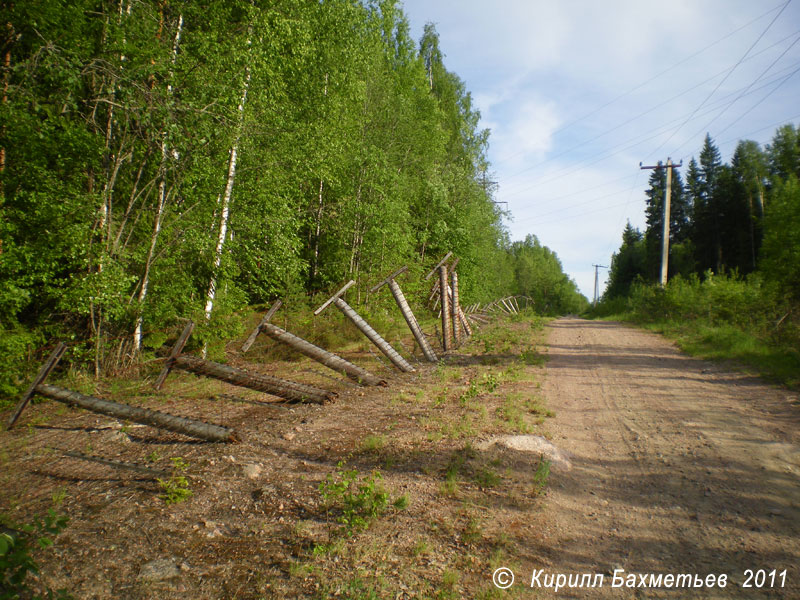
{"x":364,"y":327}
{"x":145,"y":416}
{"x":405,"y":309}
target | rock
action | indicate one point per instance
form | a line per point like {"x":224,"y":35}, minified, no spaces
{"x":212,"y":529}
{"x":160,"y":569}
{"x":252,"y":471}
{"x":119,"y":436}
{"x":289,"y":436}
{"x":533,"y":444}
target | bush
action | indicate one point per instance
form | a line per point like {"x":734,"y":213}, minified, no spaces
{"x":725,"y":316}
{"x":15,"y":368}
{"x":16,"y":561}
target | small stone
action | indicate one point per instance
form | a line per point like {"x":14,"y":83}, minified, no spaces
{"x":289,"y":436}
{"x":252,"y":471}
{"x":160,"y":569}
{"x":120,"y":436}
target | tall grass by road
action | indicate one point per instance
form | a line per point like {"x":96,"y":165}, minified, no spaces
{"x":720,"y":317}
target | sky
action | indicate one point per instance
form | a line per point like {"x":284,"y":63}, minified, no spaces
{"x":576,"y":94}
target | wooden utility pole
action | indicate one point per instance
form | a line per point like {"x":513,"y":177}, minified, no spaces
{"x":667,"y":199}
{"x":596,"y":282}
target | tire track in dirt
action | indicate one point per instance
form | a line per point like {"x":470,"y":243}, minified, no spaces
{"x":678,"y":466}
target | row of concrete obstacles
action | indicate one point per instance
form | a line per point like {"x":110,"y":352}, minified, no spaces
{"x":288,"y":391}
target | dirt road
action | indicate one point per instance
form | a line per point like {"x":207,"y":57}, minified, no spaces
{"x":664,"y":465}
{"x":677,"y":466}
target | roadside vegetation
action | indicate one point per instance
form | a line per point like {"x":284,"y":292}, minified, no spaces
{"x":390,"y":490}
{"x":720,"y":317}
{"x":176,"y":161}
{"x":734,"y":264}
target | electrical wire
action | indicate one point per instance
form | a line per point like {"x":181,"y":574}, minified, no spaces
{"x":638,"y":116}
{"x":724,"y":79}
{"x":628,"y":144}
{"x":647,"y":81}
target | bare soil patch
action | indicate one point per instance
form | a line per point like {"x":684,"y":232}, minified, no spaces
{"x":257,"y":523}
{"x":658,"y":463}
{"x":679,"y":466}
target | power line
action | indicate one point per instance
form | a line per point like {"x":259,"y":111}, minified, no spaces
{"x":651,"y":79}
{"x":631,"y":120}
{"x":744,"y":91}
{"x":628,"y":144}
{"x":648,"y":111}
{"x":724,"y":79}
{"x":762,"y":99}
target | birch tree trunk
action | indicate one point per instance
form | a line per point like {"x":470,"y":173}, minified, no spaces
{"x":226,"y":204}
{"x":313,"y":271}
{"x":162,"y":196}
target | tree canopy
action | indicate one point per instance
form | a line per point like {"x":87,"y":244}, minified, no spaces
{"x":166,"y":160}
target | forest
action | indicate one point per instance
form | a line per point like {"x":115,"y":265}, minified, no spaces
{"x":167,"y":160}
{"x":734,"y":253}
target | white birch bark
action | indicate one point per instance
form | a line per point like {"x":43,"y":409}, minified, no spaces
{"x":226,"y":205}
{"x":162,"y":197}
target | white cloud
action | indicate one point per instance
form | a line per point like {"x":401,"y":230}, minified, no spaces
{"x":559,"y":85}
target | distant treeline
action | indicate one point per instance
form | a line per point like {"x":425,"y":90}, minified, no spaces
{"x":734,"y":258}
{"x":165,"y":160}
{"x":735,"y":218}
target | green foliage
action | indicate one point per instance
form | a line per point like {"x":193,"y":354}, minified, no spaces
{"x":176,"y":488}
{"x":16,"y":554}
{"x":470,"y":393}
{"x":16,"y":344}
{"x":119,"y":133}
{"x":780,"y":260}
{"x":722,"y":316}
{"x":745,"y":220}
{"x":373,"y":443}
{"x":538,"y":274}
{"x":357,"y":499}
{"x":541,"y":475}
{"x":530,"y":356}
{"x":627,"y":264}
{"x":490,"y":381}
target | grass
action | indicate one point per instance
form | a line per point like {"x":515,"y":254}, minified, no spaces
{"x":728,"y":342}
{"x":358,"y":537}
{"x":373,"y":443}
{"x":719,"y":317}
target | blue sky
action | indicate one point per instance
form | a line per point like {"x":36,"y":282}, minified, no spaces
{"x":577,"y":93}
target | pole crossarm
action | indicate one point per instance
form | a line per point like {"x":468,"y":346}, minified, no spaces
{"x":439,"y":264}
